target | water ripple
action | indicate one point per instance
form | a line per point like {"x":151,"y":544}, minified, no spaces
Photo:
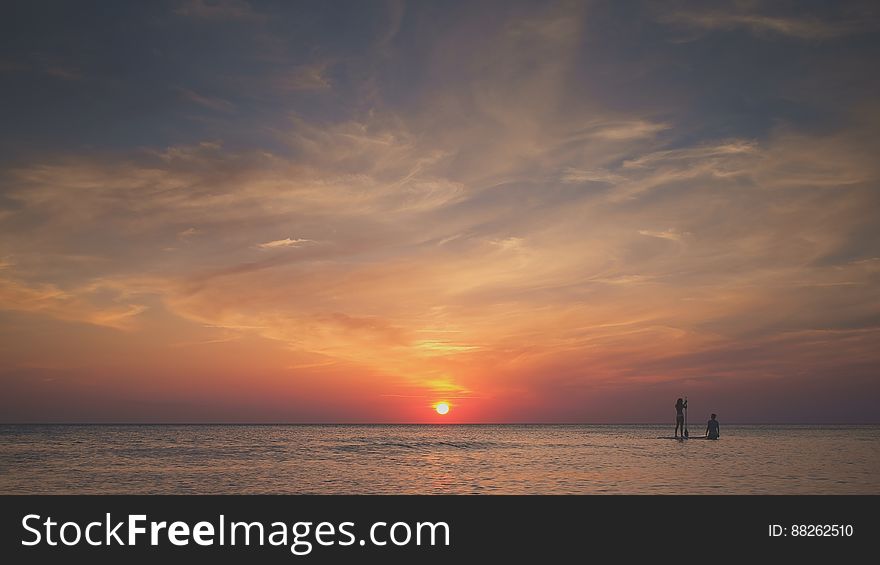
{"x":436,"y":459}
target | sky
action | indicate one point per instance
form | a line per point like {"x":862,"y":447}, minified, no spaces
{"x":248,"y":211}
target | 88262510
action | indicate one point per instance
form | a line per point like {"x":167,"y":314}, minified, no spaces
{"x":821,"y":530}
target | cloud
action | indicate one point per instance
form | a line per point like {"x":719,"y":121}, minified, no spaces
{"x":217,"y":10}
{"x":509,"y":243}
{"x":670,"y":234}
{"x":76,"y":305}
{"x":573,"y":175}
{"x":286,"y":242}
{"x":699,"y":154}
{"x":304,"y":77}
{"x":217,"y":104}
{"x":625,"y":131}
{"x":812,"y":28}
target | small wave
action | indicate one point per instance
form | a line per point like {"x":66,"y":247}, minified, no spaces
{"x":373,"y":446}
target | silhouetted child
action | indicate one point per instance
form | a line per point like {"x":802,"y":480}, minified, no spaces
{"x":713,"y":429}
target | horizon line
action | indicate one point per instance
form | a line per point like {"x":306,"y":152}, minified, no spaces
{"x":423,"y":423}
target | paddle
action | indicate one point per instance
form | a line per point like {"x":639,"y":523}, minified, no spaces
{"x":686,"y":416}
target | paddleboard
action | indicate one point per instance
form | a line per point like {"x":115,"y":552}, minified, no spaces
{"x":683,"y":438}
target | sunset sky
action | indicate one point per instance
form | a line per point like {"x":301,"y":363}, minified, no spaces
{"x":348,"y":212}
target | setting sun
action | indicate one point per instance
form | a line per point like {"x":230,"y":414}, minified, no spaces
{"x":442,"y":408}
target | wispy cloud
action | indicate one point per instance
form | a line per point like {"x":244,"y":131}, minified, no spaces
{"x":694,"y":154}
{"x":625,"y":131}
{"x":670,"y":234}
{"x":575,"y":176}
{"x":77,"y":305}
{"x":213,"y":103}
{"x":286,"y":242}
{"x":794,"y":27}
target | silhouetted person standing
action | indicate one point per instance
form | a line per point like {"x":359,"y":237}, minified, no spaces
{"x":713,"y":428}
{"x":680,"y":406}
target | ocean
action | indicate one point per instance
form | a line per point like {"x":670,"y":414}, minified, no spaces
{"x":435,"y":459}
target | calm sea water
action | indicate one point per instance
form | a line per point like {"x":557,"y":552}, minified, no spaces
{"x":508,"y":459}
